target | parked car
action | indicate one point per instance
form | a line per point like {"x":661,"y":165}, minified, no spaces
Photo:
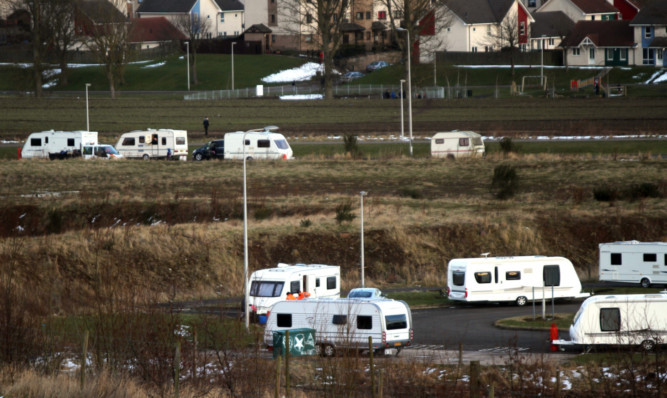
{"x":376,"y":65}
{"x":365,"y":292}
{"x":349,"y":76}
{"x":101,"y":151}
{"x":211,"y":150}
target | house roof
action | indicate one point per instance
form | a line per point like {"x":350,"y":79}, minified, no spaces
{"x":653,"y":13}
{"x":100,"y":11}
{"x":351,"y":27}
{"x":166,"y":6}
{"x":601,"y":33}
{"x":594,"y":6}
{"x":377,"y":25}
{"x":479,"y":11}
{"x":154,"y":29}
{"x":230,"y":5}
{"x":551,"y":24}
{"x":658,"y":42}
{"x":259,"y":28}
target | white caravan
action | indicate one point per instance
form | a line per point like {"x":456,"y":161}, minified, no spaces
{"x":519,"y":279}
{"x":102,"y":151}
{"x":456,"y":144}
{"x":259,"y":144}
{"x":345,"y":323}
{"x":57,"y":144}
{"x":620,"y":320}
{"x":633,"y":261}
{"x":158,"y":144}
{"x":271,"y":285}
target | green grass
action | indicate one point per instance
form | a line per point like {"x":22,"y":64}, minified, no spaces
{"x":420,"y":298}
{"x":562,"y":320}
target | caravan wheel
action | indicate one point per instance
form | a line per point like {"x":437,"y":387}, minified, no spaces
{"x":325,"y":350}
{"x":521,"y":301}
{"x":648,"y":345}
{"x":645,"y":283}
{"x":146,"y":157}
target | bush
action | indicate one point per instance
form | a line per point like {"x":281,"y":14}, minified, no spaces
{"x":351,"y":147}
{"x":411,"y":193}
{"x":344,"y":213}
{"x":605,"y":193}
{"x":507,"y":146}
{"x":643,"y":190}
{"x":305,"y":223}
{"x":263,"y":213}
{"x":505,"y":181}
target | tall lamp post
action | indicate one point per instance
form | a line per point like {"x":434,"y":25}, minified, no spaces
{"x":87,"y":115}
{"x":246,"y":300}
{"x":233,"y":43}
{"x":542,"y":60}
{"x":362,"y":194}
{"x":402,"y":124}
{"x":187,"y":61}
{"x":407,"y":32}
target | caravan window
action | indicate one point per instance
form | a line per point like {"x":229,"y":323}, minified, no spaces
{"x":317,"y":282}
{"x":70,"y":142}
{"x":35,"y":142}
{"x":364,"y":322}
{"x":340,"y":319}
{"x":263,"y":144}
{"x":458,"y":278}
{"x":295,"y":287}
{"x":142,"y":140}
{"x":164,"y":140}
{"x":513,"y":275}
{"x":396,"y":322}
{"x":650,"y":257}
{"x":483,"y":277}
{"x":180,"y":140}
{"x":610,"y":319}
{"x":616,"y":259}
{"x":551,"y":275}
{"x":128,"y":141}
{"x":331,"y":282}
{"x":439,"y":141}
{"x":464,"y":142}
{"x":281,"y":144}
{"x":284,"y":320}
{"x":266,"y":289}
{"x":87,"y":150}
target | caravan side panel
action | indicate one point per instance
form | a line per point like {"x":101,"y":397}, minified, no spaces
{"x":633,"y":262}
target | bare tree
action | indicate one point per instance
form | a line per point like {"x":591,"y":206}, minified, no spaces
{"x":38,"y":35}
{"x":506,"y":37}
{"x":320,"y":20}
{"x":109,"y":33}
{"x":196,"y":28}
{"x":61,"y":27}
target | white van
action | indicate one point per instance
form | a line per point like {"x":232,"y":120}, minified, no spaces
{"x":519,"y":279}
{"x":102,"y":151}
{"x":154,"y":144}
{"x":456,"y":144}
{"x":271,"y":285}
{"x":633,"y":261}
{"x":345,"y":323}
{"x":620,"y":320}
{"x":259,"y":144}
{"x":57,"y":144}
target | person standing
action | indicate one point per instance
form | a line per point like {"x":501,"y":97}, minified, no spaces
{"x":206,"y":126}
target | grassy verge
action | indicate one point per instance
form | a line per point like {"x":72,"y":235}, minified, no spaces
{"x":562,"y":320}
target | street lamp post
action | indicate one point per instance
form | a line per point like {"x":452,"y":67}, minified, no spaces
{"x":233,"y":43}
{"x":407,"y":32}
{"x":435,"y":78}
{"x":187,"y":52}
{"x":87,"y":114}
{"x":542,"y":61}
{"x":402,"y":124}
{"x":362,"y":194}
{"x":246,"y":300}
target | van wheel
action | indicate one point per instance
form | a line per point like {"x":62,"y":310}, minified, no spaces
{"x":199,"y":156}
{"x":146,"y":157}
{"x":450,"y":157}
{"x":645,"y":283}
{"x":648,"y":345}
{"x":521,"y":301}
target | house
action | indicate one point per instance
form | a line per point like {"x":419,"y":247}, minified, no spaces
{"x":650,"y":33}
{"x":600,"y":43}
{"x":549,"y":29}
{"x":259,"y":33}
{"x":223,"y":18}
{"x":153,"y":32}
{"x":583,"y":10}
{"x":476,"y":26}
{"x":628,"y":8}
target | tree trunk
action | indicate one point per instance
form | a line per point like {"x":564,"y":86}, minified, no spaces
{"x":64,"y":72}
{"x":194,"y":65}
{"x":112,"y":84}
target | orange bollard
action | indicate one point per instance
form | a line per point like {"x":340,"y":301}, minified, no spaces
{"x":554,"y":336}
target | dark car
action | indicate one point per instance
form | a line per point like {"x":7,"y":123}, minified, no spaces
{"x":212,"y":150}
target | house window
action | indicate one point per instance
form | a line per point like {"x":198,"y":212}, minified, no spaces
{"x":532,"y":3}
{"x":474,"y":29}
{"x":368,"y":36}
{"x":522,"y":28}
{"x":474,"y":49}
{"x":650,"y":257}
{"x":368,"y":15}
{"x":309,"y":18}
{"x":222,"y":18}
{"x":488,"y":48}
{"x":382,"y":15}
{"x":610,"y":319}
{"x":273,"y":19}
{"x":551,"y":41}
{"x":284,"y":320}
{"x":576,"y":51}
{"x":623,"y":54}
{"x":648,"y":55}
{"x":309,"y":38}
{"x":648,"y":32}
{"x":592,"y":17}
{"x":360,"y":16}
{"x":398,"y":14}
{"x":483,"y":277}
{"x":610,"y":54}
{"x":658,"y":54}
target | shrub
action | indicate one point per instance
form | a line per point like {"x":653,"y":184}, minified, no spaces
{"x":263,"y":213}
{"x":411,"y":193}
{"x":605,"y":193}
{"x":344,"y":212}
{"x":643,"y":190}
{"x":507,"y":145}
{"x":305,"y":223}
{"x":351,"y":146}
{"x":505,"y":181}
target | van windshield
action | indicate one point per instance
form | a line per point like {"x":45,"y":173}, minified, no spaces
{"x":266,"y":289}
{"x":109,"y":150}
{"x":396,"y":322}
{"x":281,"y":144}
{"x":477,"y":141}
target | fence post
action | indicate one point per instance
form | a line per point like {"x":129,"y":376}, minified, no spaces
{"x":177,"y":368}
{"x":84,"y":357}
{"x":557,"y":390}
{"x":277,"y":392}
{"x":474,"y":379}
{"x":370,"y":364}
{"x":287,"y":363}
{"x":194,"y":354}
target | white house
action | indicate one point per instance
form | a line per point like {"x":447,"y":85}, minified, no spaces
{"x":650,"y":33}
{"x":583,"y":10}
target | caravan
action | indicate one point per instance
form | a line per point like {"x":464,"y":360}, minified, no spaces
{"x":634,"y":262}
{"x":259,"y":144}
{"x":620,"y":320}
{"x":345,"y":323}
{"x":271,"y":285}
{"x":518,"y":279}
{"x":157,"y":144}
{"x":57,"y":144}
{"x":456,"y":144}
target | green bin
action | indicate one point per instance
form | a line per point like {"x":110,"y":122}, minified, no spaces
{"x":301,"y":342}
